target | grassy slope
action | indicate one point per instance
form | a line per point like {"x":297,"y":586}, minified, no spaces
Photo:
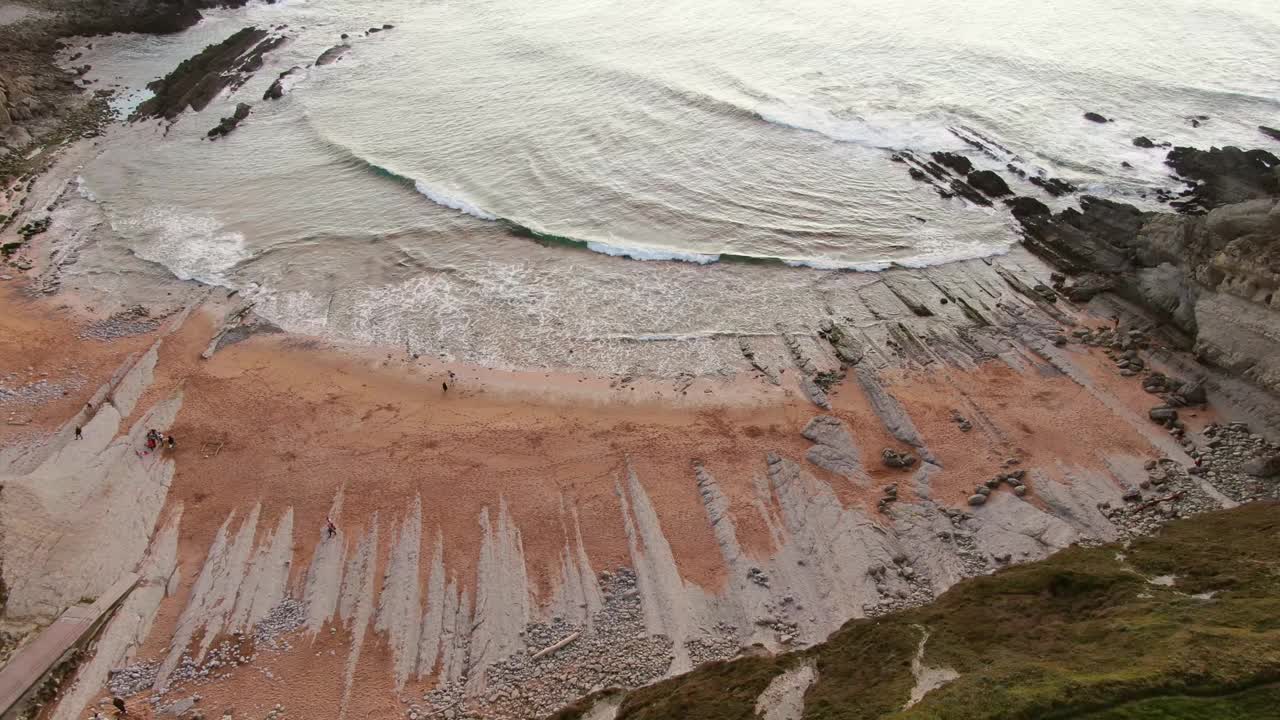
{"x":1080,"y":635}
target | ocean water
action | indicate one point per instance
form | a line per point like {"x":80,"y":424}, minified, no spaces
{"x":676,"y":172}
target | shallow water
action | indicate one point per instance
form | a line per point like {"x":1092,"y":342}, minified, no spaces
{"x":367,"y":202}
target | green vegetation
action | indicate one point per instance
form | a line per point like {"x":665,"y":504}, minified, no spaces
{"x":1083,"y":634}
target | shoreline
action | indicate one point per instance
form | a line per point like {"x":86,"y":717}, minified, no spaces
{"x":526,"y":538}
{"x":556,"y":458}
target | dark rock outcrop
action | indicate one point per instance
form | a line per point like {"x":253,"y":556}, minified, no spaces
{"x":1095,"y":117}
{"x":330,"y":56}
{"x":1215,"y":275}
{"x":230,"y":123}
{"x":1053,"y":186}
{"x":989,"y":183}
{"x":1270,"y":132}
{"x":1026,"y":207}
{"x":278,"y":89}
{"x":199,"y":79}
{"x":1219,"y":176}
{"x":957,"y":163}
{"x":1143,"y":141}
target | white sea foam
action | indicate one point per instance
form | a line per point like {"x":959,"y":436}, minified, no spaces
{"x":451,"y":201}
{"x":887,"y":133}
{"x":639,"y":253}
{"x":829,"y":264}
{"x":83,"y":189}
{"x":191,"y":246}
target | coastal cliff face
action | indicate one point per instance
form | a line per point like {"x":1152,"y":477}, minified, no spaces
{"x":35,"y":93}
{"x":1212,"y":270}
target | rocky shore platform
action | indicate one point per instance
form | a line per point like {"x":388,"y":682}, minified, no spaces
{"x":520,"y":540}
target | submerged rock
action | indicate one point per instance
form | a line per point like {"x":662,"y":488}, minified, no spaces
{"x":989,"y":183}
{"x":957,"y":163}
{"x":230,"y":123}
{"x":1143,"y":141}
{"x":330,"y":56}
{"x":1270,"y":132}
{"x":1095,"y":117}
{"x":1053,"y":186}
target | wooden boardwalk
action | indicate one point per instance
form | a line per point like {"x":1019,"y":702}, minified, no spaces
{"x":35,"y":659}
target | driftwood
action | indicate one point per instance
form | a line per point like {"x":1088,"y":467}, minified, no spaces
{"x":550,"y":649}
{"x":1157,"y":501}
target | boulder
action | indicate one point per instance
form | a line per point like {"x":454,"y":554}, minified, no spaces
{"x":1270,"y":132}
{"x":330,"y":56}
{"x":1095,"y":117}
{"x":977,"y":499}
{"x":1026,"y":207}
{"x":959,"y":164}
{"x":1263,"y":466}
{"x":1143,"y":141}
{"x":989,"y":183}
{"x":894,"y":459}
{"x":1193,"y":393}
{"x":1162,"y":414}
{"x":1053,"y":186}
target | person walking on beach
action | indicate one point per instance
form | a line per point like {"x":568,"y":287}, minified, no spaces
{"x":79,"y":434}
{"x":170,"y":442}
{"x":329,"y":527}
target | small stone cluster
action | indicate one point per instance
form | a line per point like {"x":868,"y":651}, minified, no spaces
{"x":913,"y":588}
{"x":35,"y":227}
{"x":1168,"y":493}
{"x":132,"y":679}
{"x":1121,"y":346}
{"x":961,"y":537}
{"x":777,"y":610}
{"x":614,"y":650}
{"x":961,"y":421}
{"x":722,"y":643}
{"x":37,"y":390}
{"x":894,"y":459}
{"x":217,"y":664}
{"x":1014,"y":479}
{"x":1176,"y":393}
{"x":129,"y":322}
{"x":1241,"y":464}
{"x":271,"y":631}
{"x":890,"y":496}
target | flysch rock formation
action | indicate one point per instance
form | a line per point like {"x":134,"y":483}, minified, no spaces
{"x":79,"y":513}
{"x":467,"y":629}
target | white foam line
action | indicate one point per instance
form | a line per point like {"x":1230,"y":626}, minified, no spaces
{"x":452,"y":202}
{"x":639,"y":253}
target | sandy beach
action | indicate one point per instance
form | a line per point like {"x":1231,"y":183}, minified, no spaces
{"x":480,"y":524}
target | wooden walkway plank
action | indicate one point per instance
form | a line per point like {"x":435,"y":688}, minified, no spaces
{"x":35,"y":659}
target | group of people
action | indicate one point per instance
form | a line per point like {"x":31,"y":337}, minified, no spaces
{"x":156,"y":439}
